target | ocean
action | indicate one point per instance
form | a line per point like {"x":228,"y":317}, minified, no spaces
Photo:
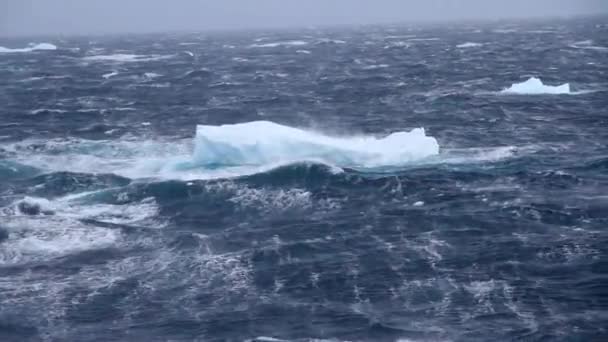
{"x":373,"y":183}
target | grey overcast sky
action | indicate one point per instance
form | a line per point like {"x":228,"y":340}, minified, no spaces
{"x":23,"y":17}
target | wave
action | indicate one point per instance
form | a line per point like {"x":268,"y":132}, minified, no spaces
{"x":588,"y":45}
{"x":32,"y":47}
{"x":31,"y":217}
{"x":330,"y":41}
{"x":240,"y":150}
{"x":375,"y":66}
{"x":110,"y":74}
{"x":151,"y":75}
{"x":45,"y":77}
{"x":47,"y":111}
{"x":423,"y":39}
{"x":534,"y":86}
{"x":262,"y":142}
{"x":277,"y":44}
{"x":468,"y":45}
{"x":125,"y":58}
{"x":13,"y":170}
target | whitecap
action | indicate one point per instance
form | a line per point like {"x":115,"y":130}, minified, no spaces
{"x":39,"y":78}
{"x":266,"y":339}
{"x":468,"y":45}
{"x":125,"y":58}
{"x":272,"y":199}
{"x":504,"y":31}
{"x":375,"y":66}
{"x":283,"y":43}
{"x":48,"y":110}
{"x":53,"y":228}
{"x":332,"y":41}
{"x":478,"y":154}
{"x":110,"y":74}
{"x":151,"y":75}
{"x":32,"y":47}
{"x":423,"y":39}
{"x":397,"y":44}
{"x":226,"y":152}
{"x":407,"y":36}
{"x":588,"y":45}
{"x":52,"y":237}
{"x":584,"y":42}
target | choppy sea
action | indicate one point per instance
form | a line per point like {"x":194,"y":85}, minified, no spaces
{"x":375,"y":183}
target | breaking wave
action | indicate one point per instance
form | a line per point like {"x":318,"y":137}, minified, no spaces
{"x":277,"y":44}
{"x":588,"y":45}
{"x":32,"y":47}
{"x":124,"y":58}
{"x":468,"y":45}
{"x":230,"y":151}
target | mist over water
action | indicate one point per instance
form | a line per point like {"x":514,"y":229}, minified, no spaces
{"x":36,"y":17}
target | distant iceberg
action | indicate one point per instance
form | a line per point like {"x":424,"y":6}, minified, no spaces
{"x":32,"y":47}
{"x":534,"y":86}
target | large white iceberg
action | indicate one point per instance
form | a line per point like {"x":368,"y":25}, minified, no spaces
{"x":264,"y":142}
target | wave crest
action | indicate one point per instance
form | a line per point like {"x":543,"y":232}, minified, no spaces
{"x":32,"y":47}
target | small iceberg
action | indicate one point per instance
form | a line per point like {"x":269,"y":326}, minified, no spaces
{"x":534,"y":86}
{"x":32,"y":47}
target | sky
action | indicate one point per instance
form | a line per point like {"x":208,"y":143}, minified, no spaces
{"x":29,"y":17}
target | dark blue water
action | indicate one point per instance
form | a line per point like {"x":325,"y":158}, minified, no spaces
{"x":117,"y":225}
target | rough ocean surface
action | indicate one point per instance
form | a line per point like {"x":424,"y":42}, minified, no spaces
{"x":388,"y":183}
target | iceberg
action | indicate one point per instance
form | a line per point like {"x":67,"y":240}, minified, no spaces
{"x":262,"y":143}
{"x":534,"y":86}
